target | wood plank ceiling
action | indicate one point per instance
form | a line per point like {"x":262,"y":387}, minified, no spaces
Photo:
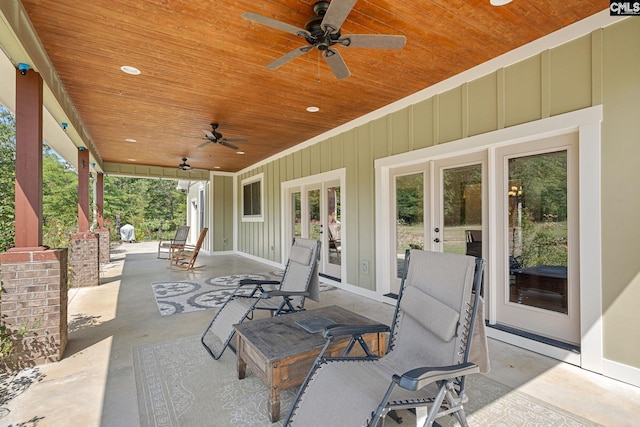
{"x":201,"y":62}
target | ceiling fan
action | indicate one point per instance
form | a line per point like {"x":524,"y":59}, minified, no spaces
{"x":323,"y":31}
{"x":214,"y":137}
{"x":184,"y":166}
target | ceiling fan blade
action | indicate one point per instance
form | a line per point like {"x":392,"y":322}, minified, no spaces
{"x":270,"y":22}
{"x":376,"y":41}
{"x":336,"y":63}
{"x":288,"y":57}
{"x":236,"y":140}
{"x":209,"y":135}
{"x":203,"y":144}
{"x":336,"y":14}
{"x":226,"y":144}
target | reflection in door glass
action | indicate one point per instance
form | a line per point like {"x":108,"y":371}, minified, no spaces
{"x":334,"y":225}
{"x":462,"y":210}
{"x":297,"y":214}
{"x":538,"y":245}
{"x":314,"y":214}
{"x":409,"y":216}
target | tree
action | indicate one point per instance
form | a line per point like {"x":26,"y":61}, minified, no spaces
{"x":7,"y":178}
{"x":59,"y":200}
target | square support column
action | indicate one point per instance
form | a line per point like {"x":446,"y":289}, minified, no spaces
{"x":104,"y":248}
{"x":85,"y":267}
{"x":34,"y":297}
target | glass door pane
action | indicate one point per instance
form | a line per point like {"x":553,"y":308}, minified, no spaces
{"x":409,"y":199}
{"x":462,"y":210}
{"x":334,"y":226}
{"x":296,"y":206}
{"x":538,"y":239}
{"x":315,"y":226}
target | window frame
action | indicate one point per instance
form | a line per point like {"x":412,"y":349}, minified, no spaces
{"x":253,"y":216}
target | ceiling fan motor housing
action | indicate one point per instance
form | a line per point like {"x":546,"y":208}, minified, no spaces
{"x":320,"y":8}
{"x":319,"y":37}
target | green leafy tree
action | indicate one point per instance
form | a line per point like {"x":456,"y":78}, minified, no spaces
{"x":59,"y":200}
{"x":148,"y":205}
{"x":410,"y":199}
{"x":7,"y":178}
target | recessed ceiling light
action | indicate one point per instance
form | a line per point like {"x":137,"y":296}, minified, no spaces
{"x":239,"y":152}
{"x":131,"y":160}
{"x":499,"y":2}
{"x":130,"y":140}
{"x":130,"y":70}
{"x":216,"y":167}
{"x":313,"y":109}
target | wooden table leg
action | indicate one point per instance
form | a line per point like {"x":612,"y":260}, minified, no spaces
{"x":241,"y":364}
{"x":274,"y":404}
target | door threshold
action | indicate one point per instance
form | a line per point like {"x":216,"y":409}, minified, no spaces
{"x":326,"y":276}
{"x":538,"y":338}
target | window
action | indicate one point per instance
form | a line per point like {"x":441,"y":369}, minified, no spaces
{"x":252,"y":198}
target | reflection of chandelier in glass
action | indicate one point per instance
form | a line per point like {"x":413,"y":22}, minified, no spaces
{"x":515,"y":191}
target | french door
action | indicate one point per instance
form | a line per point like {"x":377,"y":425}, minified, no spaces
{"x":537,"y":289}
{"x":458,"y":213}
{"x":314,"y":209}
{"x":410,"y":214}
{"x":444,"y":205}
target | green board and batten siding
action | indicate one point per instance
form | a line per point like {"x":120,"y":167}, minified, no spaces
{"x":599,"y":68}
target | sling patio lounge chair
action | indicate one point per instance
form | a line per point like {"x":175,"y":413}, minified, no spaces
{"x":186,"y":256}
{"x":428,"y":355}
{"x":299,"y":281}
{"x":174,"y":244}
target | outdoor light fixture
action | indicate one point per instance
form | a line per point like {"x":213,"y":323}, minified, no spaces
{"x":130,"y":70}
{"x":499,"y":2}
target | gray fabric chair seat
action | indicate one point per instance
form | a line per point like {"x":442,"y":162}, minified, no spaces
{"x":433,"y":322}
{"x":299,"y":281}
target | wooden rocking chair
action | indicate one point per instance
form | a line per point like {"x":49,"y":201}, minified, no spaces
{"x":186,"y":256}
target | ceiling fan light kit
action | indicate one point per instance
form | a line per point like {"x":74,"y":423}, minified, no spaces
{"x":323,"y":32}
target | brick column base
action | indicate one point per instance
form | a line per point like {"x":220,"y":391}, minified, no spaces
{"x":85,"y":268}
{"x":34,"y":298}
{"x":104,"y":248}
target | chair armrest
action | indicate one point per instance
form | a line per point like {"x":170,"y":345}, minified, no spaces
{"x":244,"y":282}
{"x":279,"y":293}
{"x":417,"y":378}
{"x":341,"y":330}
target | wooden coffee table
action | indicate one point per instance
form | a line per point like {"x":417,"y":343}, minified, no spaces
{"x":280,"y":352}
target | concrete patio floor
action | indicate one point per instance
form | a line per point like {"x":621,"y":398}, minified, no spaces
{"x":94,"y":384}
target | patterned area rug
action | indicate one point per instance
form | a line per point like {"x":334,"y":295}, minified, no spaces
{"x":179,"y":384}
{"x":185,"y":295}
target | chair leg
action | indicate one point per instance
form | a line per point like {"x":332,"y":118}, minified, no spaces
{"x":456,"y":401}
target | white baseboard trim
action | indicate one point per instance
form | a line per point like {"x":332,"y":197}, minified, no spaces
{"x":224,"y":253}
{"x":366,"y":293}
{"x":340,"y":285}
{"x":621,"y":372}
{"x":258,"y":259}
